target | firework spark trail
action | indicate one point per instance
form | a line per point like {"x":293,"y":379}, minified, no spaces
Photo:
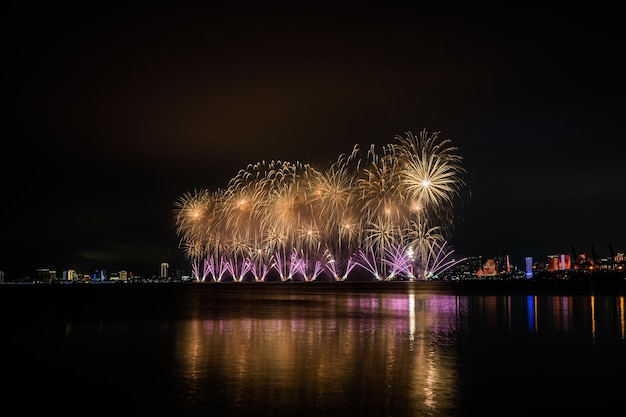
{"x":398,"y":261}
{"x":300,"y":221}
{"x":368,"y":262}
{"x":195,"y":267}
{"x":195,"y":270}
{"x":439,"y":260}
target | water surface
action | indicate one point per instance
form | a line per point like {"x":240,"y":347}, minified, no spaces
{"x":312,"y":349}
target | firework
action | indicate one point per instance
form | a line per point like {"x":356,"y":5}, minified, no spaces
{"x":387,"y":213}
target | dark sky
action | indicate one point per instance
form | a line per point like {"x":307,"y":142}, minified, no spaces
{"x":112,"y":111}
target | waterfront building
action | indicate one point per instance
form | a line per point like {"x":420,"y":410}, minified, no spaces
{"x":529,"y":267}
{"x":165,"y":270}
{"x":46,"y":275}
{"x":70,"y":275}
{"x":559,"y":262}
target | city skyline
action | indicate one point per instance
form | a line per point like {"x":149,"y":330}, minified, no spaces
{"x":476,"y":265}
{"x":112,"y":114}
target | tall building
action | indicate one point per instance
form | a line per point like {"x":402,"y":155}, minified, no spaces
{"x":70,"y":275}
{"x":99,"y":275}
{"x":529,"y":267}
{"x":165,"y":269}
{"x":560,"y":262}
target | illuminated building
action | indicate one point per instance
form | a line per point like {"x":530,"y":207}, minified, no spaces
{"x":490,"y":268}
{"x":529,"y":267}
{"x":99,"y":275}
{"x":165,"y":269}
{"x":560,"y":262}
{"x":70,"y":275}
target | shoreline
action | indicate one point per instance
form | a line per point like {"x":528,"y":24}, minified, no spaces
{"x":528,"y":286}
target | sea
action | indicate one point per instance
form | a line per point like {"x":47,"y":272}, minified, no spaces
{"x":485,"y":348}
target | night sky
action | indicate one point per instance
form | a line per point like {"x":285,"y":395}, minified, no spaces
{"x":112,"y":112}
